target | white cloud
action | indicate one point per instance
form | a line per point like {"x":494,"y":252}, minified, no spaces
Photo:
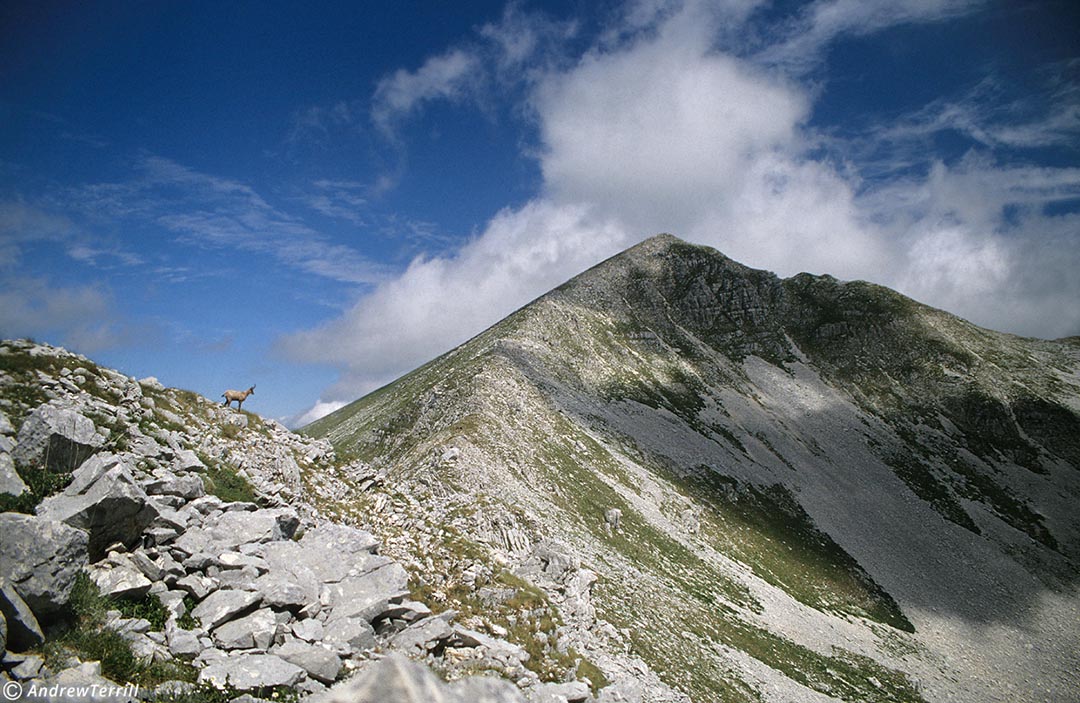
{"x":79,"y":317}
{"x":654,"y":129}
{"x":446,"y":76}
{"x":317,"y":411}
{"x":210,"y":211}
{"x":440,"y":302}
{"x":823,"y":21}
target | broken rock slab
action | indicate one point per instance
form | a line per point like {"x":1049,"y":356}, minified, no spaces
{"x":224,"y":605}
{"x":254,"y":630}
{"x":319,"y":662}
{"x":82,"y":684}
{"x":119,"y":577}
{"x":238,"y":527}
{"x":41,"y":559}
{"x":248,"y":672}
{"x":10,"y":481}
{"x":395,"y":678}
{"x":23,"y":631}
{"x":104,"y":500}
{"x":57,"y":438}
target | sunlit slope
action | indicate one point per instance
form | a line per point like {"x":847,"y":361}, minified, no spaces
{"x":807,"y":472}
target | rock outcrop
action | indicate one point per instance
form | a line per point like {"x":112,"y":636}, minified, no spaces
{"x":256,"y":591}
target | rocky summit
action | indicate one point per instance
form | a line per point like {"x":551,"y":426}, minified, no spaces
{"x":674,"y":478}
{"x":728,"y":486}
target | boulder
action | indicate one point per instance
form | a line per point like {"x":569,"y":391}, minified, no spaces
{"x":71,"y":686}
{"x":119,"y":577}
{"x":249,"y":672}
{"x":187,"y":460}
{"x":3,"y":631}
{"x":569,"y":692}
{"x":22,"y":668}
{"x":183,"y":644}
{"x":240,"y":527}
{"x":104,"y":500}
{"x":485,"y":689}
{"x":285,"y":592}
{"x":418,"y":639}
{"x":58,"y":438}
{"x":222,"y":606}
{"x":309,"y":630}
{"x":41,"y":559}
{"x":10,"y":481}
{"x":352,"y":633}
{"x":188,"y":487}
{"x":320,"y":663}
{"x":254,"y":630}
{"x":23,"y":631}
{"x":393,"y":678}
{"x":369,"y":595}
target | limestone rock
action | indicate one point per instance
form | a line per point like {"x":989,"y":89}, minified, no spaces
{"x":571,"y":692}
{"x":104,"y":500}
{"x":370,"y":594}
{"x":235,"y":528}
{"x":10,"y":481}
{"x":41,"y":559}
{"x":183,"y":644}
{"x":72,"y":685}
{"x":188,"y":487}
{"x":119,"y":577}
{"x":248,"y":672}
{"x":355,"y":633}
{"x":58,"y":438}
{"x":421,"y":637}
{"x":254,"y":630}
{"x":23,"y":631}
{"x":319,"y":662}
{"x":309,"y":630}
{"x":222,"y":606}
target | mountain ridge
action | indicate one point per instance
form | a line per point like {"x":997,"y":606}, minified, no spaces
{"x":678,"y":386}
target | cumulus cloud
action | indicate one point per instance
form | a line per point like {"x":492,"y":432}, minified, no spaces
{"x":654,"y":128}
{"x":80,"y":317}
{"x":440,"y":302}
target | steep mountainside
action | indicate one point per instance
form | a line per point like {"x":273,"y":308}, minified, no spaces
{"x":733,"y":486}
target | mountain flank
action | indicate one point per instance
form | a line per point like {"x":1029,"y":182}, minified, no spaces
{"x":764,"y":488}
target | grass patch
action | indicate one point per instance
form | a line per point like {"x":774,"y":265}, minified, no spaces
{"x":84,"y":635}
{"x":768,"y":530}
{"x":224,"y":481}
{"x":40,"y":483}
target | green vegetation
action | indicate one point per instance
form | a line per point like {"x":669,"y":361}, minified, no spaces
{"x":40,"y":483}
{"x":86,"y":637}
{"x":768,"y":530}
{"x":224,"y":480}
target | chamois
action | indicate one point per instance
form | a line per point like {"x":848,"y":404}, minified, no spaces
{"x":238,"y":396}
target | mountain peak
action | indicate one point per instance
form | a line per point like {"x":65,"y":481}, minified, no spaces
{"x":708,"y":437}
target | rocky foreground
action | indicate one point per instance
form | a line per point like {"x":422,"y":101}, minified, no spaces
{"x":153,"y":537}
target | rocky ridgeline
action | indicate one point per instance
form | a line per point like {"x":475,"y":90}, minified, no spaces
{"x":208,"y":518}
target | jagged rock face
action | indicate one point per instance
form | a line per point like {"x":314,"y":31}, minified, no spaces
{"x":823,"y":488}
{"x":58,"y":438}
{"x":40,"y":558}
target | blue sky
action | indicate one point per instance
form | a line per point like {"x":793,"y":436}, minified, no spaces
{"x":319,"y":197}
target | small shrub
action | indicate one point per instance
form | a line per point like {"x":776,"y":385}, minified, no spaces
{"x":40,"y":483}
{"x":226,"y":483}
{"x":149,"y":608}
